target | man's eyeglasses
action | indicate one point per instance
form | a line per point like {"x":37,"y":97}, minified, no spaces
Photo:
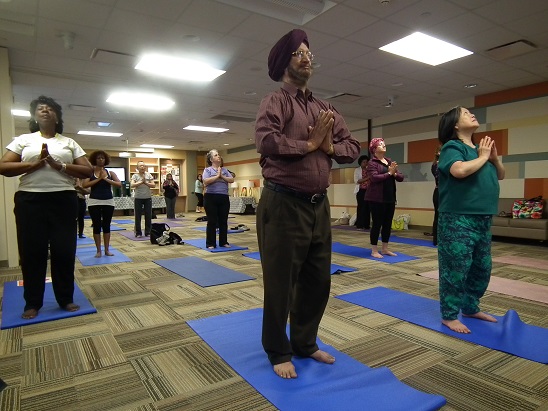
{"x":300,"y":54}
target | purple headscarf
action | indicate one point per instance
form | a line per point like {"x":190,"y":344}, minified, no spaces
{"x":280,"y":55}
{"x":374,"y":144}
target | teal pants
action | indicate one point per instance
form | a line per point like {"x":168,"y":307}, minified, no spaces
{"x":464,"y":257}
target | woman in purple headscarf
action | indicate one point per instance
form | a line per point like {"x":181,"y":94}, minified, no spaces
{"x":381,"y":195}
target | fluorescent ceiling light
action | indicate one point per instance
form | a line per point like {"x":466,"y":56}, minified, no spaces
{"x":20,"y":113}
{"x":141,"y":150}
{"x":209,"y":129}
{"x":141,"y":100}
{"x":103,"y":124}
{"x":426,"y":49}
{"x":99,"y":133}
{"x":178,"y":68}
{"x":155,"y":146}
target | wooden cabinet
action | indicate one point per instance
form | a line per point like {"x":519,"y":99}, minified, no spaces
{"x":152,"y":167}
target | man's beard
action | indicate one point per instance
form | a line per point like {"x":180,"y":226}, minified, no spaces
{"x":298,"y":77}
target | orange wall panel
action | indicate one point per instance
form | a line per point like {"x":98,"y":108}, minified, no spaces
{"x":536,"y":187}
{"x":422,"y":151}
{"x":514,"y":94}
{"x":500,"y":137}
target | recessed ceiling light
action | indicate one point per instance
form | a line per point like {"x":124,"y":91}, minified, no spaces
{"x":250,"y":93}
{"x":99,"y":133}
{"x":178,"y":68}
{"x":156,"y":146}
{"x":226,"y":144}
{"x":20,"y":113}
{"x":103,"y":124}
{"x":426,"y":49}
{"x":208,"y":129}
{"x":141,"y":100}
{"x":471,"y":85}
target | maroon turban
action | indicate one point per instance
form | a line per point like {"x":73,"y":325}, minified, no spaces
{"x":374,"y":144}
{"x":280,"y":55}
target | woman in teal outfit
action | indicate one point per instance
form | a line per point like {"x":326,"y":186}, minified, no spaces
{"x":469,"y":192}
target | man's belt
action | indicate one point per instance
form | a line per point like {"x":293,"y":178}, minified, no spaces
{"x":311,"y":198}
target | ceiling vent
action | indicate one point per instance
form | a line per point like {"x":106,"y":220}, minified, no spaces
{"x":112,"y":57}
{"x":297,"y":12}
{"x":344,"y":98}
{"x":17,"y":23}
{"x":235,"y":117}
{"x":510,"y":50}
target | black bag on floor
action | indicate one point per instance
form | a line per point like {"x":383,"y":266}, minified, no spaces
{"x":175,"y":238}
{"x":157,"y":230}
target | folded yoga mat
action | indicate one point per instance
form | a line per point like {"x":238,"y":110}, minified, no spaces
{"x":515,"y":288}
{"x":202,"y":272}
{"x":230,"y":231}
{"x":13,"y":305}
{"x":345,"y":385}
{"x":335,"y":268}
{"x":201,"y":243}
{"x":86,"y":255}
{"x":509,"y":334}
{"x":366,"y":253}
{"x":131,"y":236}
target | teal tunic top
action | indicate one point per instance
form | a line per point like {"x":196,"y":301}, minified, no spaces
{"x":476,"y":194}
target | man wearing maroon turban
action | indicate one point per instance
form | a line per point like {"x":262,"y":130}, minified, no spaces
{"x":297,"y":136}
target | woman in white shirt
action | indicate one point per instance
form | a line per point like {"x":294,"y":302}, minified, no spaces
{"x":46,"y":204}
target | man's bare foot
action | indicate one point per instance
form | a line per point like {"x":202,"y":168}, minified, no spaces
{"x":71,"y":307}
{"x":29,"y":314}
{"x":108,"y":253}
{"x":376,"y":254}
{"x":285,"y":370}
{"x":482,"y":316}
{"x":390,"y":253}
{"x":322,"y":356}
{"x":457,"y":326}
{"x":98,"y":254}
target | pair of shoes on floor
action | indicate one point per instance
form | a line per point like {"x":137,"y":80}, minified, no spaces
{"x":242,"y":227}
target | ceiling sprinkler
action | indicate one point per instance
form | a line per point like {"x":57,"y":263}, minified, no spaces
{"x":390,"y":102}
{"x":384,"y":2}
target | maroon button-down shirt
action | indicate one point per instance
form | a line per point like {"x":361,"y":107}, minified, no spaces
{"x":281,"y":133}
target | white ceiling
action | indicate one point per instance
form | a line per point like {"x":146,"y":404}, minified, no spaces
{"x":345,"y":40}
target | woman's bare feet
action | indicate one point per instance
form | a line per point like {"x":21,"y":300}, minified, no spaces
{"x":29,"y":314}
{"x":108,"y":253}
{"x":482,"y":316}
{"x":376,"y":254}
{"x":322,"y":356}
{"x":98,"y":254}
{"x":71,"y":307}
{"x":457,"y":326}
{"x":285,"y":370}
{"x":390,"y":253}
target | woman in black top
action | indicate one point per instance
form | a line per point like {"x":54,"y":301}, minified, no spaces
{"x":101,"y":201}
{"x":171,"y":191}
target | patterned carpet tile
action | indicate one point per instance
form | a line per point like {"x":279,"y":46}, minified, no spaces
{"x":467,"y":388}
{"x":148,"y":341}
{"x":230,"y":394}
{"x":11,"y":341}
{"x":113,"y":288}
{"x":132,"y":318}
{"x":124,"y":301}
{"x":66,"y":359}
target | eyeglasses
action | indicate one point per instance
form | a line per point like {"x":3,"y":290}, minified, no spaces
{"x":300,"y":54}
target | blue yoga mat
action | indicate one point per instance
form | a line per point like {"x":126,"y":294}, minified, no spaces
{"x":86,"y":255}
{"x":335,"y":268}
{"x":13,"y":305}
{"x":84,"y":241}
{"x":116,"y":228}
{"x":366,"y":253}
{"x":202,"y":272}
{"x":230,"y":231}
{"x":509,"y":334}
{"x":345,"y":385}
{"x":123,"y":221}
{"x":412,"y":241}
{"x":201,"y":243}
